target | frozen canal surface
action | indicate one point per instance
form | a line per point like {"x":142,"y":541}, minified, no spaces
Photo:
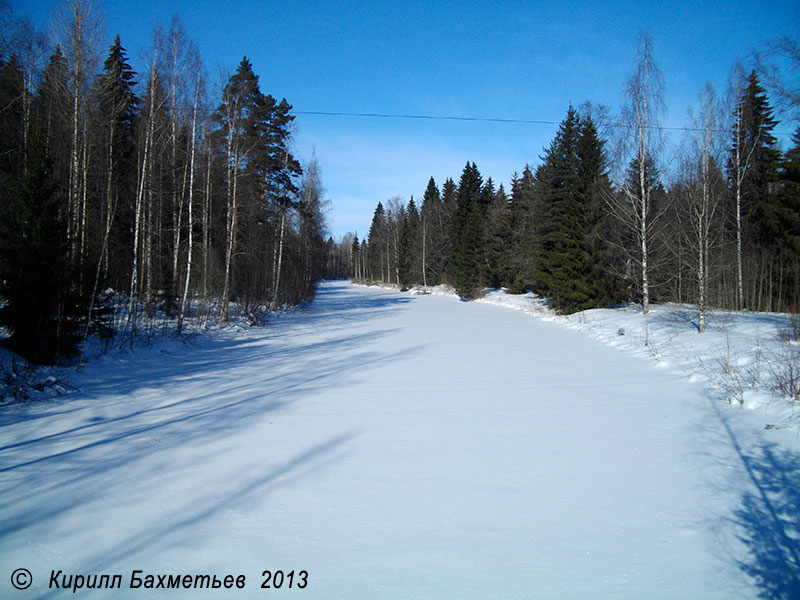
{"x":397,"y":446}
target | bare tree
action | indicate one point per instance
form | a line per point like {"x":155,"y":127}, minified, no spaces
{"x":644,"y":91}
{"x":198,"y":87}
{"x":180,"y":66}
{"x":704,"y":189}
{"x":78,"y":28}
{"x":30,"y":49}
{"x":778,"y":63}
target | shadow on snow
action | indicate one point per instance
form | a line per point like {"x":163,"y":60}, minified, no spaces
{"x":766,"y":519}
{"x":151,"y":405}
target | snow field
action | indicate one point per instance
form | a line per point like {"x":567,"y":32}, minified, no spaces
{"x":399,"y":446}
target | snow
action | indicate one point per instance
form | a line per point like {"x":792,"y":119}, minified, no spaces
{"x":396,"y":445}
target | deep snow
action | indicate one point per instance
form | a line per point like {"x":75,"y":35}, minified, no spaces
{"x":400,"y":446}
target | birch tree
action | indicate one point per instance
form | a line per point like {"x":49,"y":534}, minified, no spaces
{"x":704,"y":190}
{"x":644,"y":91}
{"x":79,"y":27}
{"x":198,"y":87}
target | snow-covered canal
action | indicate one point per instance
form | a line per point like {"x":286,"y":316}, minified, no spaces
{"x":379,"y":445}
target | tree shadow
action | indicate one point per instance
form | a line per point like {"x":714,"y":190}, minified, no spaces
{"x":133,"y":415}
{"x":769,"y":522}
{"x":766,"y":519}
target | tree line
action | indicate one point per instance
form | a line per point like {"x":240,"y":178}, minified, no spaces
{"x":125,"y":195}
{"x":597,"y":223}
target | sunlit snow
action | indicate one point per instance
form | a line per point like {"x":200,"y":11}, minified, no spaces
{"x":396,"y":445}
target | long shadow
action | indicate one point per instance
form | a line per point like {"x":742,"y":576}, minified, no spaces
{"x":770,"y":522}
{"x":218,"y":387}
{"x":179,"y":529}
{"x":768,"y":519}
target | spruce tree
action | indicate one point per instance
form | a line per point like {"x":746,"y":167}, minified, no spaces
{"x":42,"y":310}
{"x":376,"y":245}
{"x":467,"y":231}
{"x":467,"y":265}
{"x":115,"y":114}
{"x":434,"y":234}
{"x":448,"y":214}
{"x":594,"y":183}
{"x":564,"y":270}
{"x":787,"y":233}
{"x":523,"y":252}
{"x":410,"y":246}
{"x":762,"y":159}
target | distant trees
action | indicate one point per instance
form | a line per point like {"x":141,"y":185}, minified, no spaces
{"x":129,"y":190}
{"x":591,"y":226}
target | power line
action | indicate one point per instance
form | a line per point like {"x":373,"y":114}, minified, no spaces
{"x":492,"y":120}
{"x":426,"y":117}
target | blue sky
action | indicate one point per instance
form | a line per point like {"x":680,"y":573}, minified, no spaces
{"x":507,"y":60}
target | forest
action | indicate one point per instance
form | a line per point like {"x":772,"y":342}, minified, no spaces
{"x":597,"y":223}
{"x":129,"y":199}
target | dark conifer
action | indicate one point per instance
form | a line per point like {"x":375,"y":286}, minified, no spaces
{"x":42,"y":311}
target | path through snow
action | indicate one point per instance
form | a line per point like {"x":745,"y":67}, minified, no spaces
{"x":398,"y":446}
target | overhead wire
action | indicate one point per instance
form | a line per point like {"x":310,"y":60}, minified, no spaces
{"x":492,"y":120}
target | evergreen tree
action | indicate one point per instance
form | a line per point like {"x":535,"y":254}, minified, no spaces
{"x":410,"y":246}
{"x":763,"y":160}
{"x":787,"y":233}
{"x":499,"y":242}
{"x":11,"y":123}
{"x":564,"y":270}
{"x":605,"y":258}
{"x":467,"y":231}
{"x":523,"y":251}
{"x":467,"y":265}
{"x":435,"y":233}
{"x":115,"y":113}
{"x":449,"y":200}
{"x":376,"y":245}
{"x":753,"y":170}
{"x":41,"y":311}
{"x":468,"y":195}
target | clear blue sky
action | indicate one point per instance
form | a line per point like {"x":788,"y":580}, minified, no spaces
{"x":510,"y":60}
